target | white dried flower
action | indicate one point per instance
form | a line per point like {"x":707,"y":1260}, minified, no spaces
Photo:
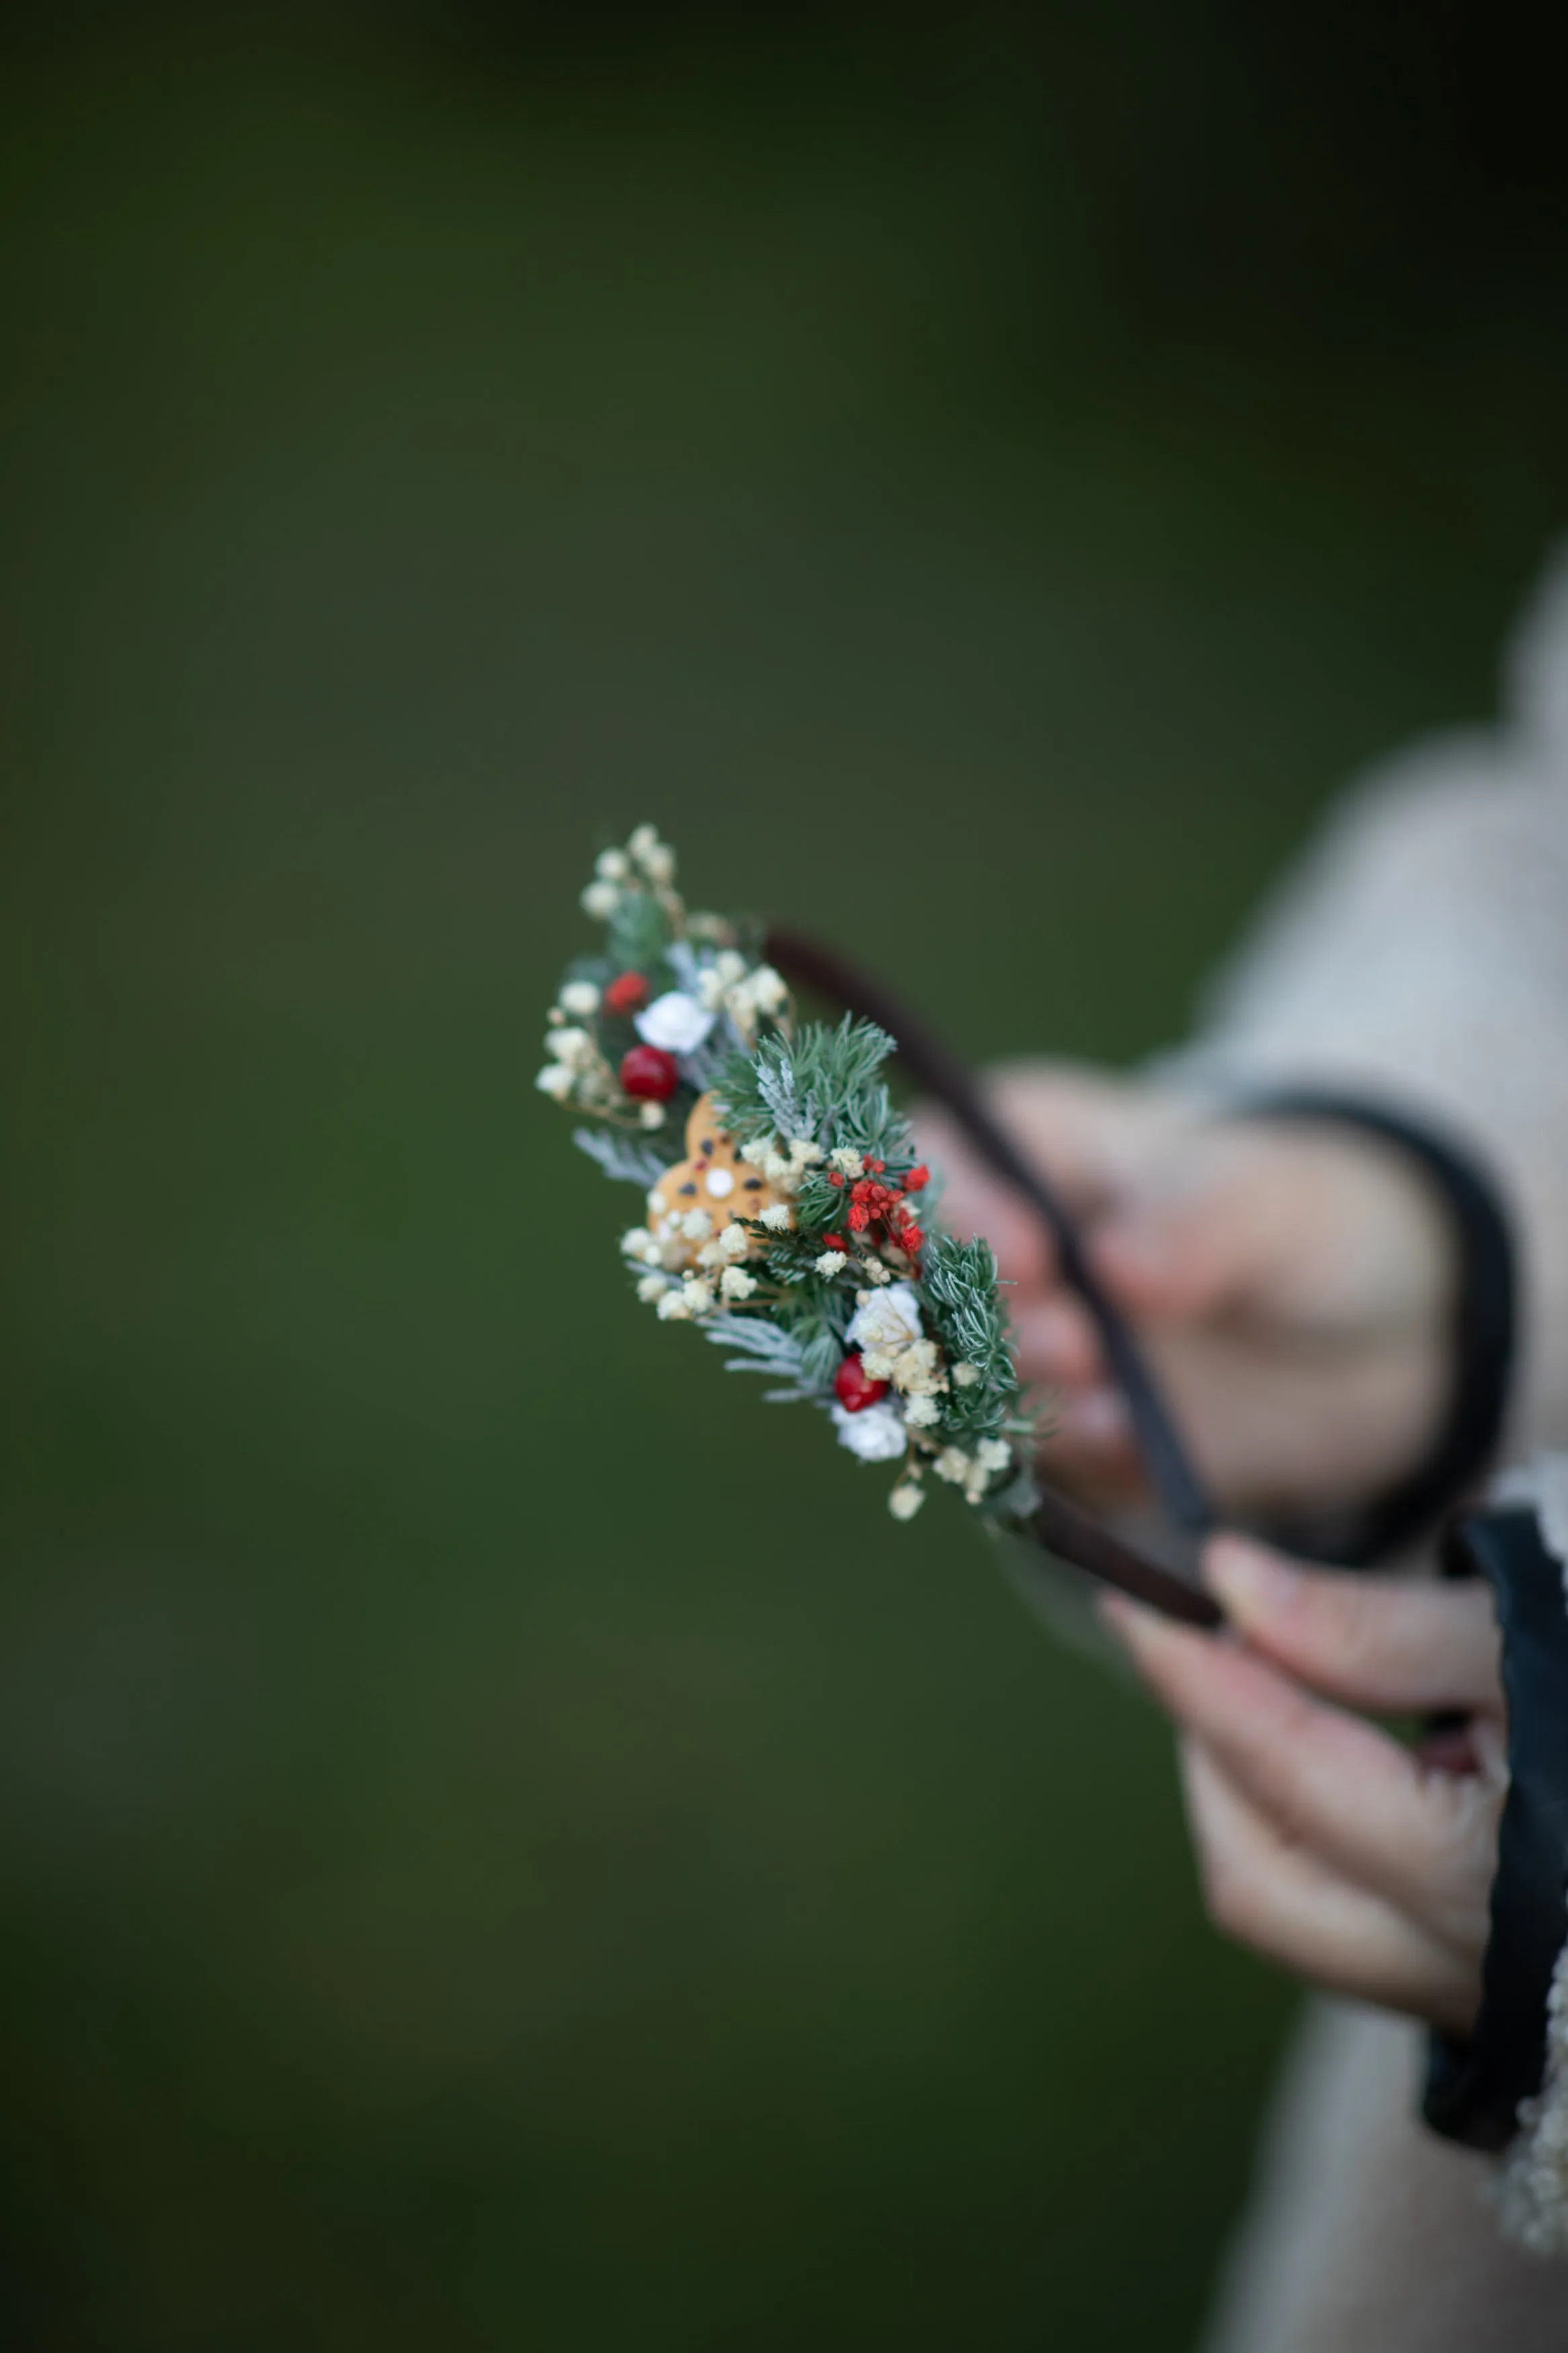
{"x":848,"y":1160}
{"x":875,"y":1272}
{"x":580,"y":998}
{"x":696,"y":1225}
{"x":736,"y":1283}
{"x":965,"y":1375}
{"x":698,"y":1295}
{"x":734,"y":1241}
{"x":889,"y":1320}
{"x":803,"y":1153}
{"x":555,"y":1016}
{"x":953,"y":1465}
{"x":767,"y":988}
{"x":637,"y":1242}
{"x":729,"y":968}
{"x":709,"y":989}
{"x":831,"y":1263}
{"x":612,"y":865}
{"x":555,"y":1081}
{"x":572,"y":1046}
{"x":917,"y":1369}
{"x":906,"y":1499}
{"x":651,"y":1115}
{"x":876,"y":1433}
{"x":672,"y":1307}
{"x":674,"y":1022}
{"x":600,"y":900}
{"x":655,"y":857}
{"x":994,"y":1454}
{"x":778,"y":1218}
{"x":651,"y":1287}
{"x":921,"y":1412}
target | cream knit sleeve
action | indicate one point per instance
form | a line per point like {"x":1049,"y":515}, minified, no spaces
{"x":1421,"y":953}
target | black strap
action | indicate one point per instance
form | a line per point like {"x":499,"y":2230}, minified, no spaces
{"x":1483,"y":1335}
{"x":1474,"y":2088}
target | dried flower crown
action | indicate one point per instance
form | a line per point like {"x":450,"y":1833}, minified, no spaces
{"x":796,"y":1230}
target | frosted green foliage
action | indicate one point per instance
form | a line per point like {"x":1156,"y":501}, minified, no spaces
{"x":640,"y":933}
{"x":769,"y":1348}
{"x":823,"y":1086}
{"x":629,"y":1163}
{"x":957,"y":1283}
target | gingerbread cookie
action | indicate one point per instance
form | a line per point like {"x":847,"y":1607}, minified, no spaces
{"x":711,"y":1178}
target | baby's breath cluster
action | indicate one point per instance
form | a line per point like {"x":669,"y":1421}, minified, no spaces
{"x":795,"y":1230}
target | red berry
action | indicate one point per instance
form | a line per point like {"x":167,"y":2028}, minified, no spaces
{"x":911,"y":1238}
{"x":853,"y":1388}
{"x":860,"y":1216}
{"x":917,"y":1179}
{"x":649,"y":1073}
{"x":835,"y":1177}
{"x":626,"y":995}
{"x":835,"y":1241}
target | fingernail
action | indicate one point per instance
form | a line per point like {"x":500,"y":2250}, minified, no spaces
{"x":1251,"y":1584}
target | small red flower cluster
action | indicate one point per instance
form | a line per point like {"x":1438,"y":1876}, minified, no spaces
{"x":626,"y":995}
{"x":883,"y":1211}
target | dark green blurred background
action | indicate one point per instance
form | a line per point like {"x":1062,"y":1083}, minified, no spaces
{"x":977,"y":483}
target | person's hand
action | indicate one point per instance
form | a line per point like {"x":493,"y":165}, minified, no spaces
{"x":1291,"y":1282}
{"x":1360,"y":1865}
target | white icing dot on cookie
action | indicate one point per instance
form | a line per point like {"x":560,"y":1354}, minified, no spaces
{"x":720,"y":1182}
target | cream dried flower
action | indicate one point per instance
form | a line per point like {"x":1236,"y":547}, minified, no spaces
{"x":876,"y":1434}
{"x":580,"y":998}
{"x":600,"y":900}
{"x":555,"y":1081}
{"x":736,"y":1283}
{"x":906,"y":1499}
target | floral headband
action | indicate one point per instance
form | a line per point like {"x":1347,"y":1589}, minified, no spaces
{"x":789,"y":1218}
{"x":795,"y":1229}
